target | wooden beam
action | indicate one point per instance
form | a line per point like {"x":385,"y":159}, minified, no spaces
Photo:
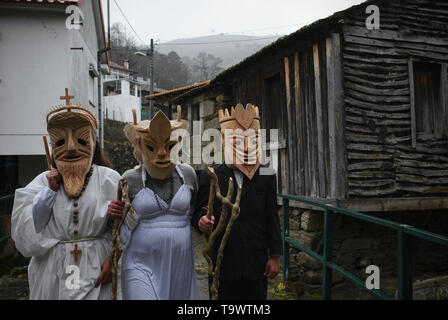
{"x":444,"y":94}
{"x":331,"y":116}
{"x":319,"y":123}
{"x":412,"y":100}
{"x":336,"y":114}
{"x":290,"y":183}
{"x":283,"y":160}
{"x":300,"y":147}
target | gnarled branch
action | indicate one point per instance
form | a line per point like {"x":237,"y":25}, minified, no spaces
{"x":209,"y":239}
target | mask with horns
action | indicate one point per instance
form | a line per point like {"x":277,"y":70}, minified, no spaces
{"x":154,"y":144}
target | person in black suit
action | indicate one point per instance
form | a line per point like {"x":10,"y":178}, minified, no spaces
{"x":253,"y":250}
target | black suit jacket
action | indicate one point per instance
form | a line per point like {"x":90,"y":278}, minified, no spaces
{"x":255,"y":234}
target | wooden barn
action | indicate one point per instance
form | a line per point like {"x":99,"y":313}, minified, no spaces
{"x":362,"y":112}
{"x":363,"y":119}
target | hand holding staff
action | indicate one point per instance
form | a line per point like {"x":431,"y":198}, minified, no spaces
{"x":47,"y":152}
{"x":53,"y":177}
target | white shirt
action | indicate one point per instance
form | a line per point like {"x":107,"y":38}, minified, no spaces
{"x":238,"y":176}
{"x":42,"y":218}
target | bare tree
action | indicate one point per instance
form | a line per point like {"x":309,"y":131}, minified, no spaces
{"x":120,"y":38}
{"x":206,"y":66}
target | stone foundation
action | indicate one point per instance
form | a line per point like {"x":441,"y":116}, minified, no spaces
{"x":358,"y":244}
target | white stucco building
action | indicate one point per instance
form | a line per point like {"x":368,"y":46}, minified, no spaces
{"x":45,"y":47}
{"x":122,"y":93}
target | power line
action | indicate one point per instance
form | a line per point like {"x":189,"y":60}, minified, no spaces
{"x":131,"y":25}
{"x":269,"y":28}
{"x":214,"y":42}
{"x":201,"y":43}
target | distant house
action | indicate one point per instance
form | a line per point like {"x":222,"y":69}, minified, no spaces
{"x":43,"y":51}
{"x":122,"y":93}
{"x":145,"y":84}
{"x":167,"y":99}
{"x":199,"y":108}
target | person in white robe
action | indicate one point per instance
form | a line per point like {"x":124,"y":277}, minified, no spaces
{"x":60,"y":219}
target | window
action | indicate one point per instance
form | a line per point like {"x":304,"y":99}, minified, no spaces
{"x":429,"y":109}
{"x":132,"y":89}
{"x":112,"y":88}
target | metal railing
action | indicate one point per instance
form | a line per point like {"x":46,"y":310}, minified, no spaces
{"x":404,"y":234}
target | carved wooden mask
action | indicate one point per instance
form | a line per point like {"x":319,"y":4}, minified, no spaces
{"x":72,"y":137}
{"x":241,"y":138}
{"x":154,"y":144}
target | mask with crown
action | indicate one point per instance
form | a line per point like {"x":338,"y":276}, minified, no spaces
{"x":72,"y":131}
{"x":240,"y":131}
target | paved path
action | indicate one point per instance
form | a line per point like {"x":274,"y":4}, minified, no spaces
{"x":13,"y":288}
{"x":276,"y":288}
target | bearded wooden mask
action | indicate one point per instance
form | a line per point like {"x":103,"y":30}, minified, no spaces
{"x":155,"y":147}
{"x":72,"y":135}
{"x":241,"y":138}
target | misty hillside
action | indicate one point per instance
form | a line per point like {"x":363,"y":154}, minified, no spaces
{"x":230,"y":48}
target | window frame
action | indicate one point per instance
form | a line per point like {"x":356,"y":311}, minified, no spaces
{"x":412,"y":93}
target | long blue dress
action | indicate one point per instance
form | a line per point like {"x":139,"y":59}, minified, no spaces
{"x":158,"y":260}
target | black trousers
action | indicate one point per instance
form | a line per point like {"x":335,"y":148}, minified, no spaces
{"x":241,"y":289}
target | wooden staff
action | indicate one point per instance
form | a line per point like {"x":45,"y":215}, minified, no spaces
{"x":179,"y":113}
{"x":209,"y":240}
{"x":47,"y":152}
{"x":122,"y":195}
{"x":134,"y":115}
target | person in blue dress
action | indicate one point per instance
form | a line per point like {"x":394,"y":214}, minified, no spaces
{"x":158,"y":257}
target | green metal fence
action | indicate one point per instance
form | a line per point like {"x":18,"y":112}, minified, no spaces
{"x":404,"y":234}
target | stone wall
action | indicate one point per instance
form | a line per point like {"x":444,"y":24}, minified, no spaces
{"x":209,"y":105}
{"x":358,"y":244}
{"x":117,"y":147}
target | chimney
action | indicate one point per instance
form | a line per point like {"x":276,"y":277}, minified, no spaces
{"x":126,"y":64}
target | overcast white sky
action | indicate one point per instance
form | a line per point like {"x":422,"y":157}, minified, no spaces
{"x":166,"y":20}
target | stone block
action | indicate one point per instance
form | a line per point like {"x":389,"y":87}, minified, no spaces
{"x":212,"y":123}
{"x":294,"y":224}
{"x":311,"y":221}
{"x":336,"y":278}
{"x":431,"y":289}
{"x":312,"y":277}
{"x":207,"y":108}
{"x":295,"y":213}
{"x":354,"y":245}
{"x":307,"y":239}
{"x":304,"y":260}
{"x":363,"y":263}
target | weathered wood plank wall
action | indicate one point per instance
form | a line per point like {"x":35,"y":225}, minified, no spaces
{"x":347,"y":108}
{"x":386,"y":155}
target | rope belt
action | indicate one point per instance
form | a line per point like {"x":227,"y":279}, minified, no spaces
{"x":80,"y":240}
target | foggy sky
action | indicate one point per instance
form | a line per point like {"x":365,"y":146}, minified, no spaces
{"x":166,"y":20}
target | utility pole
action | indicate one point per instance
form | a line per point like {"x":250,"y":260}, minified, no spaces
{"x":151,"y":70}
{"x":100,"y":52}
